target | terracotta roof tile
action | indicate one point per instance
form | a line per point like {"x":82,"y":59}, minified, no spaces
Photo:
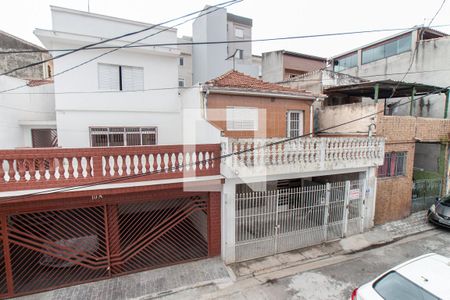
{"x":38,"y":82}
{"x":235,"y":79}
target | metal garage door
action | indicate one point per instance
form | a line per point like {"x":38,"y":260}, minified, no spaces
{"x":45,"y":249}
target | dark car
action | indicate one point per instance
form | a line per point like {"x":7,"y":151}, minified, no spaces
{"x":439,"y":212}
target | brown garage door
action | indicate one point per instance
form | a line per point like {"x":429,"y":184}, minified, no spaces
{"x":53,"y":248}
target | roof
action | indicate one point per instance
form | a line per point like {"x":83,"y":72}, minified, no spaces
{"x":240,"y":81}
{"x":38,"y":82}
{"x":239,"y":19}
{"x":291,"y":53}
{"x":22,"y":41}
{"x":380,"y":41}
{"x":430,"y":271}
{"x":366,"y":89}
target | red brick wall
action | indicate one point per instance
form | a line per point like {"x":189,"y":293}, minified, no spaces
{"x":394,"y":193}
{"x":214,"y":224}
{"x":274,"y":123}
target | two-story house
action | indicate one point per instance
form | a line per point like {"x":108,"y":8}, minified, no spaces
{"x":284,"y":187}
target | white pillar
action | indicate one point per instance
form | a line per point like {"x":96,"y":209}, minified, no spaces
{"x":228,"y":221}
{"x":370,"y":196}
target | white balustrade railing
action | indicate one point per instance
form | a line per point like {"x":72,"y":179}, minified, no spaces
{"x":317,"y":153}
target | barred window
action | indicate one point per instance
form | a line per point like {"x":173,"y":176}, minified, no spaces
{"x":394,"y":165}
{"x":123,"y":136}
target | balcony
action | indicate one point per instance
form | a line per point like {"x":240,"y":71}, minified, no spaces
{"x":25,"y":169}
{"x":267,"y":157}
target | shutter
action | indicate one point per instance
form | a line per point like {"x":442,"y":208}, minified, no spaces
{"x":108,"y":77}
{"x":242,"y":118}
{"x":132,"y":78}
{"x":43,"y":138}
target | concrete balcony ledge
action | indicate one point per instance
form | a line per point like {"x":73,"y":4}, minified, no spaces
{"x":304,"y":155}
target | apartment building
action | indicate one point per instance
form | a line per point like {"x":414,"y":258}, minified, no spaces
{"x":213,"y":60}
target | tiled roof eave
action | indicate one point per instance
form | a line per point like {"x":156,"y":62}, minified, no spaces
{"x":269,"y":93}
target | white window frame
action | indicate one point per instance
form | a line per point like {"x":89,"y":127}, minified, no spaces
{"x":233,"y":125}
{"x":239,"y":32}
{"x":121,"y":81}
{"x":301,"y":122}
{"x":107,"y":131}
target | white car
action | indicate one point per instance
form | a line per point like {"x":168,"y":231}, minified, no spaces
{"x":426,"y":277}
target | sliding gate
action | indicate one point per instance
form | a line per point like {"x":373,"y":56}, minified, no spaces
{"x":276,"y":221}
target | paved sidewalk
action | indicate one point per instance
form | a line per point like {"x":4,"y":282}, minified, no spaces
{"x":413,"y":224}
{"x":144,"y":285}
{"x":377,"y":236}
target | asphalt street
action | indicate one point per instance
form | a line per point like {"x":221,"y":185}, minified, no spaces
{"x":335,"y":281}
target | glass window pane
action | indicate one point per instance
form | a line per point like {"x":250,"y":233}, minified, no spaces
{"x":148,"y":139}
{"x":99,"y":140}
{"x":133,"y":139}
{"x":404,"y":44}
{"x":394,"y":286}
{"x":391,"y":49}
{"x":116,"y":139}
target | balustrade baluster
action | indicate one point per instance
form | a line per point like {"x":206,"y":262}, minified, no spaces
{"x":79,"y":167}
{"x":147,"y":163}
{"x":41,"y":169}
{"x":51,"y":169}
{"x":88,"y":166}
{"x":11,"y":172}
{"x":2,"y":171}
{"x":21,"y":167}
{"x":107,"y":166}
{"x":139,"y":165}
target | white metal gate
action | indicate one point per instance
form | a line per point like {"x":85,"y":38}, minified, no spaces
{"x":276,"y":221}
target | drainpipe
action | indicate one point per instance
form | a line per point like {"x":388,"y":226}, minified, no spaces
{"x":411,"y":106}
{"x":447,"y":98}
{"x":205,"y":104}
{"x":311,"y":118}
{"x":376,"y":92}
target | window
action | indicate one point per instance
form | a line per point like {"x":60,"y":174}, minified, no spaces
{"x":122,"y":136}
{"x":242,"y":118}
{"x":239,"y":33}
{"x":347,"y":62}
{"x":120,"y":78}
{"x":394,"y":165}
{"x":240,"y":54}
{"x":43,"y":138}
{"x":391,"y":48}
{"x":395,"y":286}
{"x":180,"y":82}
{"x":181,"y":61}
{"x":294,"y":123}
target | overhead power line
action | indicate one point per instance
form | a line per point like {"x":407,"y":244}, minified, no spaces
{"x":116,"y":38}
{"x":204,"y":12}
{"x":124,"y":178}
{"x":270,"y":39}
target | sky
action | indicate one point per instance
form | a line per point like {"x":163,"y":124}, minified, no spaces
{"x":270,"y":18}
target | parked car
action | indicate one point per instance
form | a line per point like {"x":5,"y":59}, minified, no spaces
{"x":425,"y":277}
{"x":439,"y":212}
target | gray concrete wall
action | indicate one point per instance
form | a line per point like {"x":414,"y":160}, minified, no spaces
{"x":272,"y":66}
{"x":11,"y":61}
{"x":332,"y":115}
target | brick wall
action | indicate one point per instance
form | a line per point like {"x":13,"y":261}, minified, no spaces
{"x":401,"y":132}
{"x":394,"y":193}
{"x":214,"y":224}
{"x":271,"y":124}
